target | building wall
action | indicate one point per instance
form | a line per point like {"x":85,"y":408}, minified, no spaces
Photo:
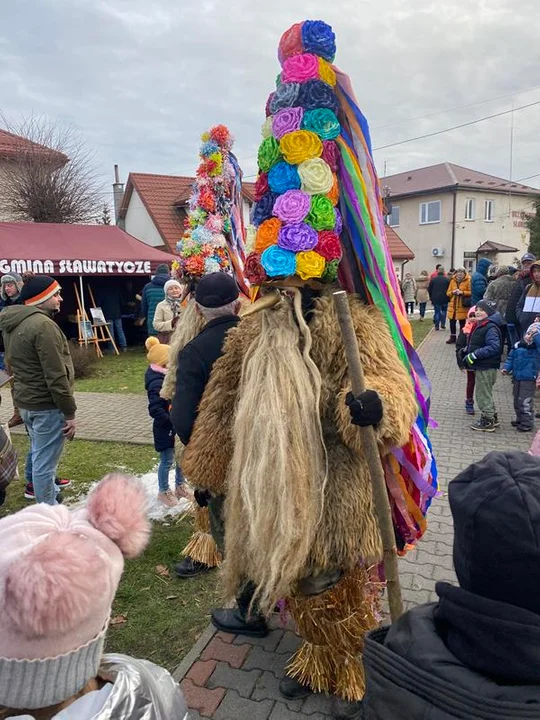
{"x":139,"y":223}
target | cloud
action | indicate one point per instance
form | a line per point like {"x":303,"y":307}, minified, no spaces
{"x":141,"y":80}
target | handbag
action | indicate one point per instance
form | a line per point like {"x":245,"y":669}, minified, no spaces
{"x":466,"y":301}
{"x":8,"y":459}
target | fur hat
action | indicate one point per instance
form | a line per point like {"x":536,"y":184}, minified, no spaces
{"x":38,"y":289}
{"x":10,"y":278}
{"x":158,"y":354}
{"x":59,"y":572}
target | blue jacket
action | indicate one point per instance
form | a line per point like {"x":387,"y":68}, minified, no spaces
{"x":159,"y":410}
{"x":152,"y":294}
{"x":524,"y":361}
{"x":479,"y":281}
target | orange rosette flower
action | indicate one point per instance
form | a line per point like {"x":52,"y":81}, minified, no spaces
{"x":309,"y":264}
{"x":267,"y":234}
{"x":326,"y":72}
{"x":300,"y":145}
{"x":333,"y":195}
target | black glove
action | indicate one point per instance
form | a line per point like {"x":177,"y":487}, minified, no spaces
{"x":202,"y":497}
{"x":366,"y":409}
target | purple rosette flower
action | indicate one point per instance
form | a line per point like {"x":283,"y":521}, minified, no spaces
{"x":319,"y":38}
{"x":283,"y":177}
{"x":285,"y":96}
{"x":316,"y":94}
{"x":286,"y":121}
{"x":263,"y":210}
{"x":293,"y":206}
{"x":338,"y":227}
{"x":298,"y":237}
{"x":330,"y":154}
{"x":278,"y":262}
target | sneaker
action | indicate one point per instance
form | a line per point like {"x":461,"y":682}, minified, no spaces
{"x":523,"y":428}
{"x":182,"y":492}
{"x":515,"y":423}
{"x":167,"y":498}
{"x":496,"y":420}
{"x":62,"y":483}
{"x":15,"y":420}
{"x":29,"y":493}
{"x":484,"y":425}
{"x":443,"y":327}
{"x":469,"y":407}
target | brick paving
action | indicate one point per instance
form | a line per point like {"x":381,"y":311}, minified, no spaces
{"x":236,"y":678}
{"x":103,"y":416}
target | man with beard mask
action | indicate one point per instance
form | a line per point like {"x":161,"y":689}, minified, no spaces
{"x":39,"y":356}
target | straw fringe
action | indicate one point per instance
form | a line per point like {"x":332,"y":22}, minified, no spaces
{"x":201,"y":545}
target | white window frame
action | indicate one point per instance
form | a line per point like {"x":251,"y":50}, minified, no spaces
{"x":425,"y":205}
{"x":392,"y":224}
{"x":470,"y":209}
{"x":488,"y":216}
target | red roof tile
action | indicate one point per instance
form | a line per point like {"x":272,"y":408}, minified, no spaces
{"x":398,"y":249}
{"x":448,"y":175}
{"x":12,"y":145}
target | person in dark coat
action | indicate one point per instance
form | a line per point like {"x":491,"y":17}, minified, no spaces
{"x":437,"y":289}
{"x":153,"y":293}
{"x":216,"y":296}
{"x":11,"y":285}
{"x":158,"y":408}
{"x":522,"y":279}
{"x":475,"y":654}
{"x":479,"y":280}
{"x":109,"y":299}
{"x":528,"y":307}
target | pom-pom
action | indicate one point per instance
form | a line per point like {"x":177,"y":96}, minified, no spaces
{"x":299,"y":146}
{"x":151,"y":341}
{"x":309,"y":265}
{"x":319,"y":38}
{"x":209,"y":148}
{"x":278,"y":262}
{"x":117,"y":507}
{"x":297,"y":237}
{"x":283,"y":177}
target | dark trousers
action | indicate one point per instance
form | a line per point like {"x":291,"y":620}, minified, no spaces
{"x":422,"y":307}
{"x":524,"y":391}
{"x":471,"y":379}
{"x":217,"y":525}
{"x":453,"y":326}
{"x":439,"y":315}
{"x":409,"y":308}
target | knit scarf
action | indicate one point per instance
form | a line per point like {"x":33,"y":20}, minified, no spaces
{"x":175,"y":304}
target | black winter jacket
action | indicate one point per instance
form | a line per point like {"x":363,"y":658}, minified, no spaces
{"x":8,"y":302}
{"x":511,"y":309}
{"x":195,"y":364}
{"x":486,"y":342}
{"x":158,"y":409}
{"x":437,"y":288}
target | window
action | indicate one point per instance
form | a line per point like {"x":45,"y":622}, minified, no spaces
{"x":393,"y":218}
{"x":488,"y":210}
{"x":470,"y":209}
{"x":468,"y":264}
{"x":430,"y":212}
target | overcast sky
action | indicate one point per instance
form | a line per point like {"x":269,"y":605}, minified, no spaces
{"x":141,"y":79}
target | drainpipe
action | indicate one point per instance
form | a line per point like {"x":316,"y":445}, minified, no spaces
{"x":452,"y":251}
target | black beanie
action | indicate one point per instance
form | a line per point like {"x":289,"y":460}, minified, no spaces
{"x":162,"y":269}
{"x":216,"y":290}
{"x":495,"y":504}
{"x":38,"y":289}
{"x":488,"y":306}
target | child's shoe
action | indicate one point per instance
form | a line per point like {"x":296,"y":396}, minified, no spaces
{"x":167,"y":498}
{"x":469,"y":407}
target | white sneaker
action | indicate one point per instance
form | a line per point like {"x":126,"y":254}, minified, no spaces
{"x":167,"y":498}
{"x":182,"y":491}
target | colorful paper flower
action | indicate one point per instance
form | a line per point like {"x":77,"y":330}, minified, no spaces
{"x":319,"y":38}
{"x":300,"y":145}
{"x":326,"y":73}
{"x":269,"y":153}
{"x":253,"y":269}
{"x":209,"y":148}
{"x":283,"y":177}
{"x":315,"y":94}
{"x":333,"y":195}
{"x":263,"y":209}
{"x":194,"y":265}
{"x":267,"y":110}
{"x":290,"y":43}
{"x":201,"y":234}
{"x":338,"y":227}
{"x":300,"y":68}
{"x":207,"y":200}
{"x":297,"y":237}
{"x":316,"y":177}
{"x":222,"y":136}
{"x":330,"y":154}
{"x":266,"y":129}
{"x":267,"y":234}
{"x":292,"y":206}
{"x":278,"y":262}
{"x":323,"y":122}
{"x":261,"y":186}
{"x":212,"y":265}
{"x":286,"y":121}
{"x":329,"y":245}
{"x":309,"y":265}
{"x":214,"y":223}
{"x":321,"y":215}
{"x":331,"y":271}
{"x":285,"y":96}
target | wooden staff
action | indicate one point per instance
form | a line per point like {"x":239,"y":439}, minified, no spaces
{"x":369,"y":442}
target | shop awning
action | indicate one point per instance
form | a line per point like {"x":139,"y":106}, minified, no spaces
{"x":58,"y":249}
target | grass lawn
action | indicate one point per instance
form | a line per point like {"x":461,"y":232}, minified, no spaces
{"x":420,"y":329}
{"x":122,"y":373}
{"x":155,"y":615}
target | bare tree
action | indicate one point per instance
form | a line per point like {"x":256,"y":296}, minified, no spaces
{"x":105,"y":215}
{"x":49,"y":175}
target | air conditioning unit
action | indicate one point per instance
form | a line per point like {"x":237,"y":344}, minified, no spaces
{"x":437,"y":252}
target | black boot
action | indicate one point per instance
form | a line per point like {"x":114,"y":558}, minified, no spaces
{"x":292,"y":689}
{"x":346,"y":709}
{"x":240,"y":620}
{"x":190,"y":568}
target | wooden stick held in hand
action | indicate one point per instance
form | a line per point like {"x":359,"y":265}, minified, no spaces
{"x":369,"y":442}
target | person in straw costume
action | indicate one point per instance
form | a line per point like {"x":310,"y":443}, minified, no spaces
{"x":277,"y":428}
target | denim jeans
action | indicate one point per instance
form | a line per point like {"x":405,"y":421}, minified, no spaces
{"x":439,"y":315}
{"x":117,"y":332}
{"x":422,"y":307}
{"x":46,"y":443}
{"x":513,"y":334}
{"x":166,"y":460}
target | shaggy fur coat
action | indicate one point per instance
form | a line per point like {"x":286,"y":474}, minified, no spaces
{"x":348,"y":529}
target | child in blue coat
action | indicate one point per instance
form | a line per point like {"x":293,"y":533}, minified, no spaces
{"x":523,"y":364}
{"x":158,"y":357}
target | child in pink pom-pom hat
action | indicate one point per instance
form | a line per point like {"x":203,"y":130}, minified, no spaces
{"x":59,"y":572}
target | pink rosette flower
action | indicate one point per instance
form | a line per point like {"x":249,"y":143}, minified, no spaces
{"x":293,"y":206}
{"x":286,"y":121}
{"x":298,"y":237}
{"x":330,"y":154}
{"x":300,"y":68}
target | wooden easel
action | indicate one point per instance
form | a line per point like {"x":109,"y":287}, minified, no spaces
{"x":82,"y":323}
{"x":104,"y":330}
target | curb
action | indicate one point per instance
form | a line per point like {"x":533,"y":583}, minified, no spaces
{"x":194,"y":654}
{"x":424,"y":340}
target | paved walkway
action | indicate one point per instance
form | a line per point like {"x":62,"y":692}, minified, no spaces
{"x":235,"y":678}
{"x":103,"y":416}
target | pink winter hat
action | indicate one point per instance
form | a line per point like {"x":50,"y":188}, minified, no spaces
{"x":59,"y":572}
